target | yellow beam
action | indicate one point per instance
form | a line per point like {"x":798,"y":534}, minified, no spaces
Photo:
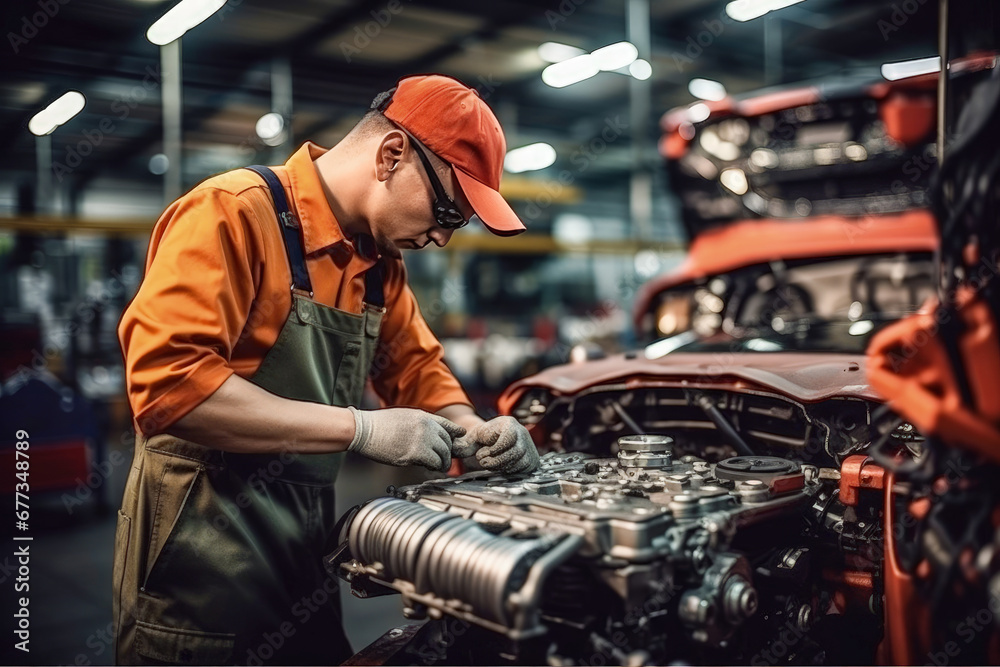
{"x":533,"y":190}
{"x":52,"y":225}
{"x":527,"y":243}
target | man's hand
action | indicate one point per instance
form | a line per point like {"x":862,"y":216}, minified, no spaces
{"x":500,"y":444}
{"x":404,"y":436}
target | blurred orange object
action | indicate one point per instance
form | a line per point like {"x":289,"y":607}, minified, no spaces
{"x":910,"y":365}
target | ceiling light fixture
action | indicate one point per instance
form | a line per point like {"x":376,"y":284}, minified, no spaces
{"x":57,"y":113}
{"x":908,"y":68}
{"x":570,"y":71}
{"x":180,"y":18}
{"x":554,"y":52}
{"x":746,"y":10}
{"x":581,"y":66}
{"x":529,"y":158}
{"x":641,"y":69}
{"x":615,"y":56}
{"x":707,"y":89}
{"x":270,"y":128}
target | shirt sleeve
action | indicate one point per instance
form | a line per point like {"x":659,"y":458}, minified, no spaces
{"x":409,"y":368}
{"x":178,"y":333}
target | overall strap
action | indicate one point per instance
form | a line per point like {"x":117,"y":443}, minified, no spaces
{"x":374,"y":279}
{"x":289,"y":229}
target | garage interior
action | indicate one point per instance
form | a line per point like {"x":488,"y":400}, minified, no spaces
{"x":645,"y":236}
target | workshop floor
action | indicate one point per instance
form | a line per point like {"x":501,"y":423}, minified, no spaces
{"x":70,"y":576}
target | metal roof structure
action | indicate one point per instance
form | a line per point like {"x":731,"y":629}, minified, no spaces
{"x":340,"y":53}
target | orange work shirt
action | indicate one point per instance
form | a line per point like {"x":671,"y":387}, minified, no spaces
{"x":216,"y":294}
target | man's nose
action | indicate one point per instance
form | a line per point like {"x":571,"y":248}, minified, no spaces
{"x":440,"y":236}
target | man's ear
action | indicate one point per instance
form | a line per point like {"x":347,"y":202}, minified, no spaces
{"x":390,"y":153}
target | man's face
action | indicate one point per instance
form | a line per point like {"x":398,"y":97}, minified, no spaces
{"x":405,"y":220}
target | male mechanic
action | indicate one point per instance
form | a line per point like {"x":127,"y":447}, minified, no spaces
{"x":266,"y":298}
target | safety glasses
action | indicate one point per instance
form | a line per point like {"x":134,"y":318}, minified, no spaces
{"x":445,"y":211}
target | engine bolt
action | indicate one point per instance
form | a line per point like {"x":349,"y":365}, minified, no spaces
{"x":753,"y":490}
{"x":684,"y":505}
{"x":805,"y":617}
{"x":740,"y":600}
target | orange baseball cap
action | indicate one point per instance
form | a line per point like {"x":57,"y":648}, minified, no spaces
{"x":452,"y":120}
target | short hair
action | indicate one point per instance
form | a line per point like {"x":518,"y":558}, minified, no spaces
{"x":374,"y":122}
{"x":382,"y":100}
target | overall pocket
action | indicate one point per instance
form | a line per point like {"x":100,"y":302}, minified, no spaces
{"x":177,"y":646}
{"x":178,"y":481}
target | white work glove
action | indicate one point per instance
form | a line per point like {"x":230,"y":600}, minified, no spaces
{"x":500,"y":444}
{"x":404,"y":436}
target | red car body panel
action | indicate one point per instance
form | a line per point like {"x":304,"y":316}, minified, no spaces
{"x":751,"y":242}
{"x":802,"y":376}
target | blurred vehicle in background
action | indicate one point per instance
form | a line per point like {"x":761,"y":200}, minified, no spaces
{"x":804,"y":201}
{"x":766,"y":274}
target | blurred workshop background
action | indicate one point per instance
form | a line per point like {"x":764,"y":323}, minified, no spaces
{"x":104,"y":120}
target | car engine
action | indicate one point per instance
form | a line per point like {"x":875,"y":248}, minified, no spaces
{"x":639,"y":558}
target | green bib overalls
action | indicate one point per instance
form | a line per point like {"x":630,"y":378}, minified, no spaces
{"x":218,"y":555}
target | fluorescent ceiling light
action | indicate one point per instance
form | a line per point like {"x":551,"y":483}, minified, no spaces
{"x":861,"y":327}
{"x":529,"y":158}
{"x":615,"y":56}
{"x":572,"y":229}
{"x":572,"y":65}
{"x":270,"y":128}
{"x":706,"y":89}
{"x":698,"y":112}
{"x":570,"y":71}
{"x":183,"y":16}
{"x":908,"y":68}
{"x":640,"y":69}
{"x":58,"y":112}
{"x":159,"y":164}
{"x":554,"y":52}
{"x":745,"y":10}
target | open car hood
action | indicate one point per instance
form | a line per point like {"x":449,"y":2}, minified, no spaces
{"x":804,"y":377}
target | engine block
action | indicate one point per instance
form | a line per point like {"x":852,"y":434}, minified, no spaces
{"x":634,"y":555}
